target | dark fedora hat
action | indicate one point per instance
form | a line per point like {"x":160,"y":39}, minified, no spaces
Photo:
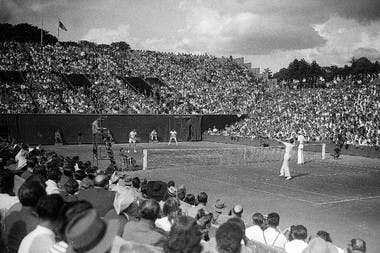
{"x":156,"y":190}
{"x":87,"y":233}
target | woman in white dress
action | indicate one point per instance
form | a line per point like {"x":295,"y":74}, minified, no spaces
{"x":300,"y":157}
{"x":284,"y":171}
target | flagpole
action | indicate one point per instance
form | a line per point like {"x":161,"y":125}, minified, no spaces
{"x":42,"y":33}
{"x":58,"y":30}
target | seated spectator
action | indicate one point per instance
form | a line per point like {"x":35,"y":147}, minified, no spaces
{"x":53,"y":175}
{"x":219,"y":214}
{"x":68,"y":211}
{"x":228,"y":238}
{"x":21,"y":157}
{"x":87,"y":232}
{"x":202,"y":204}
{"x":272,"y":235}
{"x":7,"y":196}
{"x":20,"y":223}
{"x":297,"y":238}
{"x":71,"y":188}
{"x":318,"y":245}
{"x":99,"y":196}
{"x":190,"y":199}
{"x":185,"y":236}
{"x":42,"y":238}
{"x":156,"y":190}
{"x":170,"y":210}
{"x":255,"y":232}
{"x":357,"y":246}
{"x":144,"y":230}
{"x":30,"y":164}
{"x":326,"y":236}
{"x":237,"y":211}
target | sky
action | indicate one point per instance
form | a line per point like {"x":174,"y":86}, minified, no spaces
{"x":267,"y":33}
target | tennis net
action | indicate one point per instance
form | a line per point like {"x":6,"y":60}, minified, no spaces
{"x":177,"y":158}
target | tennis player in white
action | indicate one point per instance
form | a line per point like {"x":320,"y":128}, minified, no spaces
{"x":132,"y":140}
{"x":300,"y":157}
{"x":173,"y":136}
{"x":284,"y":171}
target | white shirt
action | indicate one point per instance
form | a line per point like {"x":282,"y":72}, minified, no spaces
{"x":255,"y":233}
{"x":295,"y":246}
{"x":164,"y":224}
{"x":21,"y":158}
{"x":40,"y":240}
{"x":51,"y":187}
{"x":301,"y":139}
{"x":274,"y":238}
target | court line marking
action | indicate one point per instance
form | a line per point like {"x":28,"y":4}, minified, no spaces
{"x":296,"y":189}
{"x":247,"y":188}
{"x":347,"y":200}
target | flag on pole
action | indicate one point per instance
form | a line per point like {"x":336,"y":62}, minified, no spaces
{"x":62,"y":26}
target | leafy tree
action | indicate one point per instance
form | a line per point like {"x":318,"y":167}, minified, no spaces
{"x":25,"y":33}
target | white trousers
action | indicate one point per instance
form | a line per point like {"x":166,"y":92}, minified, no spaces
{"x":285,"y":166}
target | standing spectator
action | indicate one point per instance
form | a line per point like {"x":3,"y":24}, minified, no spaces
{"x":144,"y":230}
{"x":99,"y":196}
{"x":297,"y":244}
{"x":20,"y":223}
{"x":272,"y":235}
{"x":42,"y":238}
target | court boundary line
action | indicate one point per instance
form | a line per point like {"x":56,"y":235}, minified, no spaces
{"x":347,"y":200}
{"x":249,"y":189}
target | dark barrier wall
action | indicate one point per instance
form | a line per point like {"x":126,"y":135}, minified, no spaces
{"x":220,"y":121}
{"x":40,"y":128}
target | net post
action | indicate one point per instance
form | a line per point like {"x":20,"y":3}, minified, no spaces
{"x":145,"y":159}
{"x":323,"y":151}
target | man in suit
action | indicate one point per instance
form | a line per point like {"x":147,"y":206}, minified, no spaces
{"x":99,"y":195}
{"x":144,"y":230}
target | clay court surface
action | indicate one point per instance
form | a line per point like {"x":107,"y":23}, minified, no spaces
{"x":339,"y":196}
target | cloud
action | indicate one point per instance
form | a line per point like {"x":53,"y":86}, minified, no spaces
{"x":371,"y":54}
{"x":364,"y":11}
{"x":107,"y":36}
{"x":221,"y":32}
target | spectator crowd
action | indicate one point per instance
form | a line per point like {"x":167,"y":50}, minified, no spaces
{"x":190,"y":84}
{"x":50,"y":203}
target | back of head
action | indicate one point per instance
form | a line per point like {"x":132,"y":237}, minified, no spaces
{"x":237,"y":210}
{"x":228,"y":238}
{"x":71,"y":186}
{"x":49,"y":206}
{"x":149,"y":209}
{"x":238,"y":221}
{"x":101,"y":181}
{"x":6,"y":182}
{"x":171,"y":206}
{"x":258,"y":219}
{"x":136,"y":182}
{"x":357,"y":245}
{"x":30,"y":192}
{"x":181,"y":192}
{"x":53,"y":173}
{"x":190,"y":199}
{"x":273,"y":219}
{"x":324,"y":235}
{"x":185,"y":236}
{"x":202,"y":198}
{"x":299,"y":232}
{"x":171,"y":183}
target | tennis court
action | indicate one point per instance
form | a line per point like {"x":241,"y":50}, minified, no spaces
{"x":339,"y":196}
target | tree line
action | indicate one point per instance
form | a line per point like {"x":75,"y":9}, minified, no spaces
{"x":309,"y":74}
